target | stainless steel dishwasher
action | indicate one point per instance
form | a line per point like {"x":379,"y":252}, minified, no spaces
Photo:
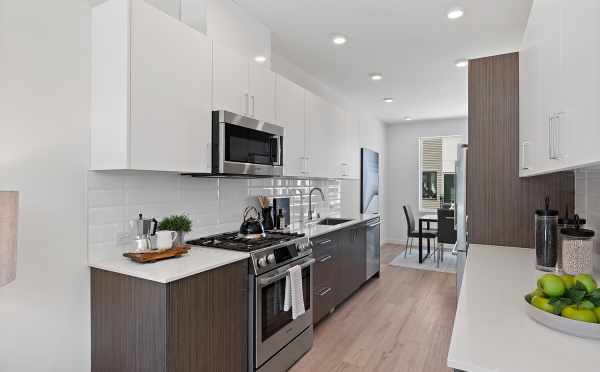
{"x":373,"y":247}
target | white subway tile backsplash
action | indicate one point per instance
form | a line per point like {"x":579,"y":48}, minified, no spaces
{"x":104,"y":198}
{"x":587,"y":205}
{"x":214,"y":204}
{"x":106,"y":215}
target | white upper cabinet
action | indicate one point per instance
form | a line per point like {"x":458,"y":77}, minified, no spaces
{"x":339,"y":156}
{"x":242,"y":86}
{"x":151,"y":91}
{"x":290,"y":113}
{"x":320,"y":116}
{"x":533,"y":143}
{"x":579,"y":126}
{"x":262,"y":93}
{"x":231,"y":83}
{"x":560,"y":87}
{"x":352,"y":147}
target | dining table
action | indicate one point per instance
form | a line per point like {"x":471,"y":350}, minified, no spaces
{"x":428,"y":219}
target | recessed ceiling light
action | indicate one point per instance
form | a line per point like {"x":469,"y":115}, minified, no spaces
{"x":461,"y":63}
{"x":260,"y":59}
{"x":375,"y":76}
{"x":388,"y":100}
{"x":407,"y":118}
{"x":456,"y":13}
{"x":339,"y":39}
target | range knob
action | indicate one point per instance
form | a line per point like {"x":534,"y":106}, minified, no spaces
{"x":262,"y":262}
{"x":300,"y":247}
{"x":271,"y":258}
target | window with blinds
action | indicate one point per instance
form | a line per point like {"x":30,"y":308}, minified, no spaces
{"x":436,"y":168}
{"x":432,"y":175}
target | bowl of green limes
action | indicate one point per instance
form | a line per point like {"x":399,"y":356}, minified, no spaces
{"x":566,"y":303}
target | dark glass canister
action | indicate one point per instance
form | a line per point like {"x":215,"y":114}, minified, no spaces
{"x":546,"y":239}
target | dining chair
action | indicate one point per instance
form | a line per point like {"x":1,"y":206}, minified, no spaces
{"x":413,"y":232}
{"x":446,"y":232}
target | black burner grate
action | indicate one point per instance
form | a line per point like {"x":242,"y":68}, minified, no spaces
{"x":233,"y":242}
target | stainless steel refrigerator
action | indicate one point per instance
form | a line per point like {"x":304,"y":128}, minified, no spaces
{"x":461,"y":247}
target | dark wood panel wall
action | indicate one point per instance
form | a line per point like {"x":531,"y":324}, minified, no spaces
{"x":500,"y":205}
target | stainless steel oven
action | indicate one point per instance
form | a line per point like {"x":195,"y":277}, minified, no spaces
{"x":246,"y":146}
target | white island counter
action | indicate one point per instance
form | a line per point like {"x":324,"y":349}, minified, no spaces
{"x":492,"y":331}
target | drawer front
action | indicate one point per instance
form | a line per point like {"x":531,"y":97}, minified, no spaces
{"x":324,"y":301}
{"x":325,"y":266}
{"x":324,"y":242}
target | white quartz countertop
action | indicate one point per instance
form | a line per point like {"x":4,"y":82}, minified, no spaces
{"x":197,"y":260}
{"x":200,"y":259}
{"x":313,"y":229}
{"x":492,"y":331}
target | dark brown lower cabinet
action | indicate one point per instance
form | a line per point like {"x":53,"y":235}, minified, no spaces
{"x":340,"y":267}
{"x":326,"y":256}
{"x":199,"y":323}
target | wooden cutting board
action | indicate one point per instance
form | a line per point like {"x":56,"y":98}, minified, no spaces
{"x":153,"y":256}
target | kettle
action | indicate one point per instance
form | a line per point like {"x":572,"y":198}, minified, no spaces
{"x":143,"y":230}
{"x":252,"y":227}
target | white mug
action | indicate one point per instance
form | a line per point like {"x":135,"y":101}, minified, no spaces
{"x":165,"y":239}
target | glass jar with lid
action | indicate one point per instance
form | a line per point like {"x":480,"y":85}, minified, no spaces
{"x":546,"y":238}
{"x":577,"y":246}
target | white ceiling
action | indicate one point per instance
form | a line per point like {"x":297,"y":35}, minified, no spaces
{"x":411,"y":42}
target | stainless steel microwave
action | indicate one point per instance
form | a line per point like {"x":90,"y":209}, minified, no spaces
{"x":246,"y":146}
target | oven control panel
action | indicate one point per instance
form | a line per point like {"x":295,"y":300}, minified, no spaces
{"x":270,"y":258}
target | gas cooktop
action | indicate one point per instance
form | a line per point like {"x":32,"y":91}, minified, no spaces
{"x":232,"y":241}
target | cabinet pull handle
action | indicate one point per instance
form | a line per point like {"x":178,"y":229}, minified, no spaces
{"x":557,"y":123}
{"x":325,"y":259}
{"x":325,"y":291}
{"x":247,"y":96}
{"x":253,"y":108}
{"x":550,"y":141}
{"x":325,"y":242}
{"x":523,"y":155}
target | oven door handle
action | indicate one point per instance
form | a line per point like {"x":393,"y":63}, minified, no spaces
{"x":266,"y":281}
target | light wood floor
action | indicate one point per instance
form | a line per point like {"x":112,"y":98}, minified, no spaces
{"x":399,"y":322}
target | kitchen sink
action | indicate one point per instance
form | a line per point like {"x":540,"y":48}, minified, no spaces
{"x":333,"y":221}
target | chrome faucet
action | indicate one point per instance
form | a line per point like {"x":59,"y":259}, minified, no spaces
{"x":310,"y":210}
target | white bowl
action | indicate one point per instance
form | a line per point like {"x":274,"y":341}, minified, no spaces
{"x":562,"y":324}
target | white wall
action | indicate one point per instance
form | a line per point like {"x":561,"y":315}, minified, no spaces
{"x":587,"y":205}
{"x":44,"y":151}
{"x":402,"y":156}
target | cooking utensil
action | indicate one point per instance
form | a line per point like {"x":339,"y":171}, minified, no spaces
{"x":252,"y":227}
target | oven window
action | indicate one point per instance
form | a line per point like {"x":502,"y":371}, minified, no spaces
{"x":273,"y":296}
{"x":245,"y":145}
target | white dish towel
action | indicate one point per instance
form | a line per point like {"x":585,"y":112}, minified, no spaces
{"x":294,"y":296}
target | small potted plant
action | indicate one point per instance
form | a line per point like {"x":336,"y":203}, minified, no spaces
{"x":180,"y":223}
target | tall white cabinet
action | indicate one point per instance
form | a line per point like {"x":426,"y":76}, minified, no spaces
{"x":560,"y":87}
{"x":291,"y":114}
{"x":320,"y":117}
{"x":151,"y":90}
